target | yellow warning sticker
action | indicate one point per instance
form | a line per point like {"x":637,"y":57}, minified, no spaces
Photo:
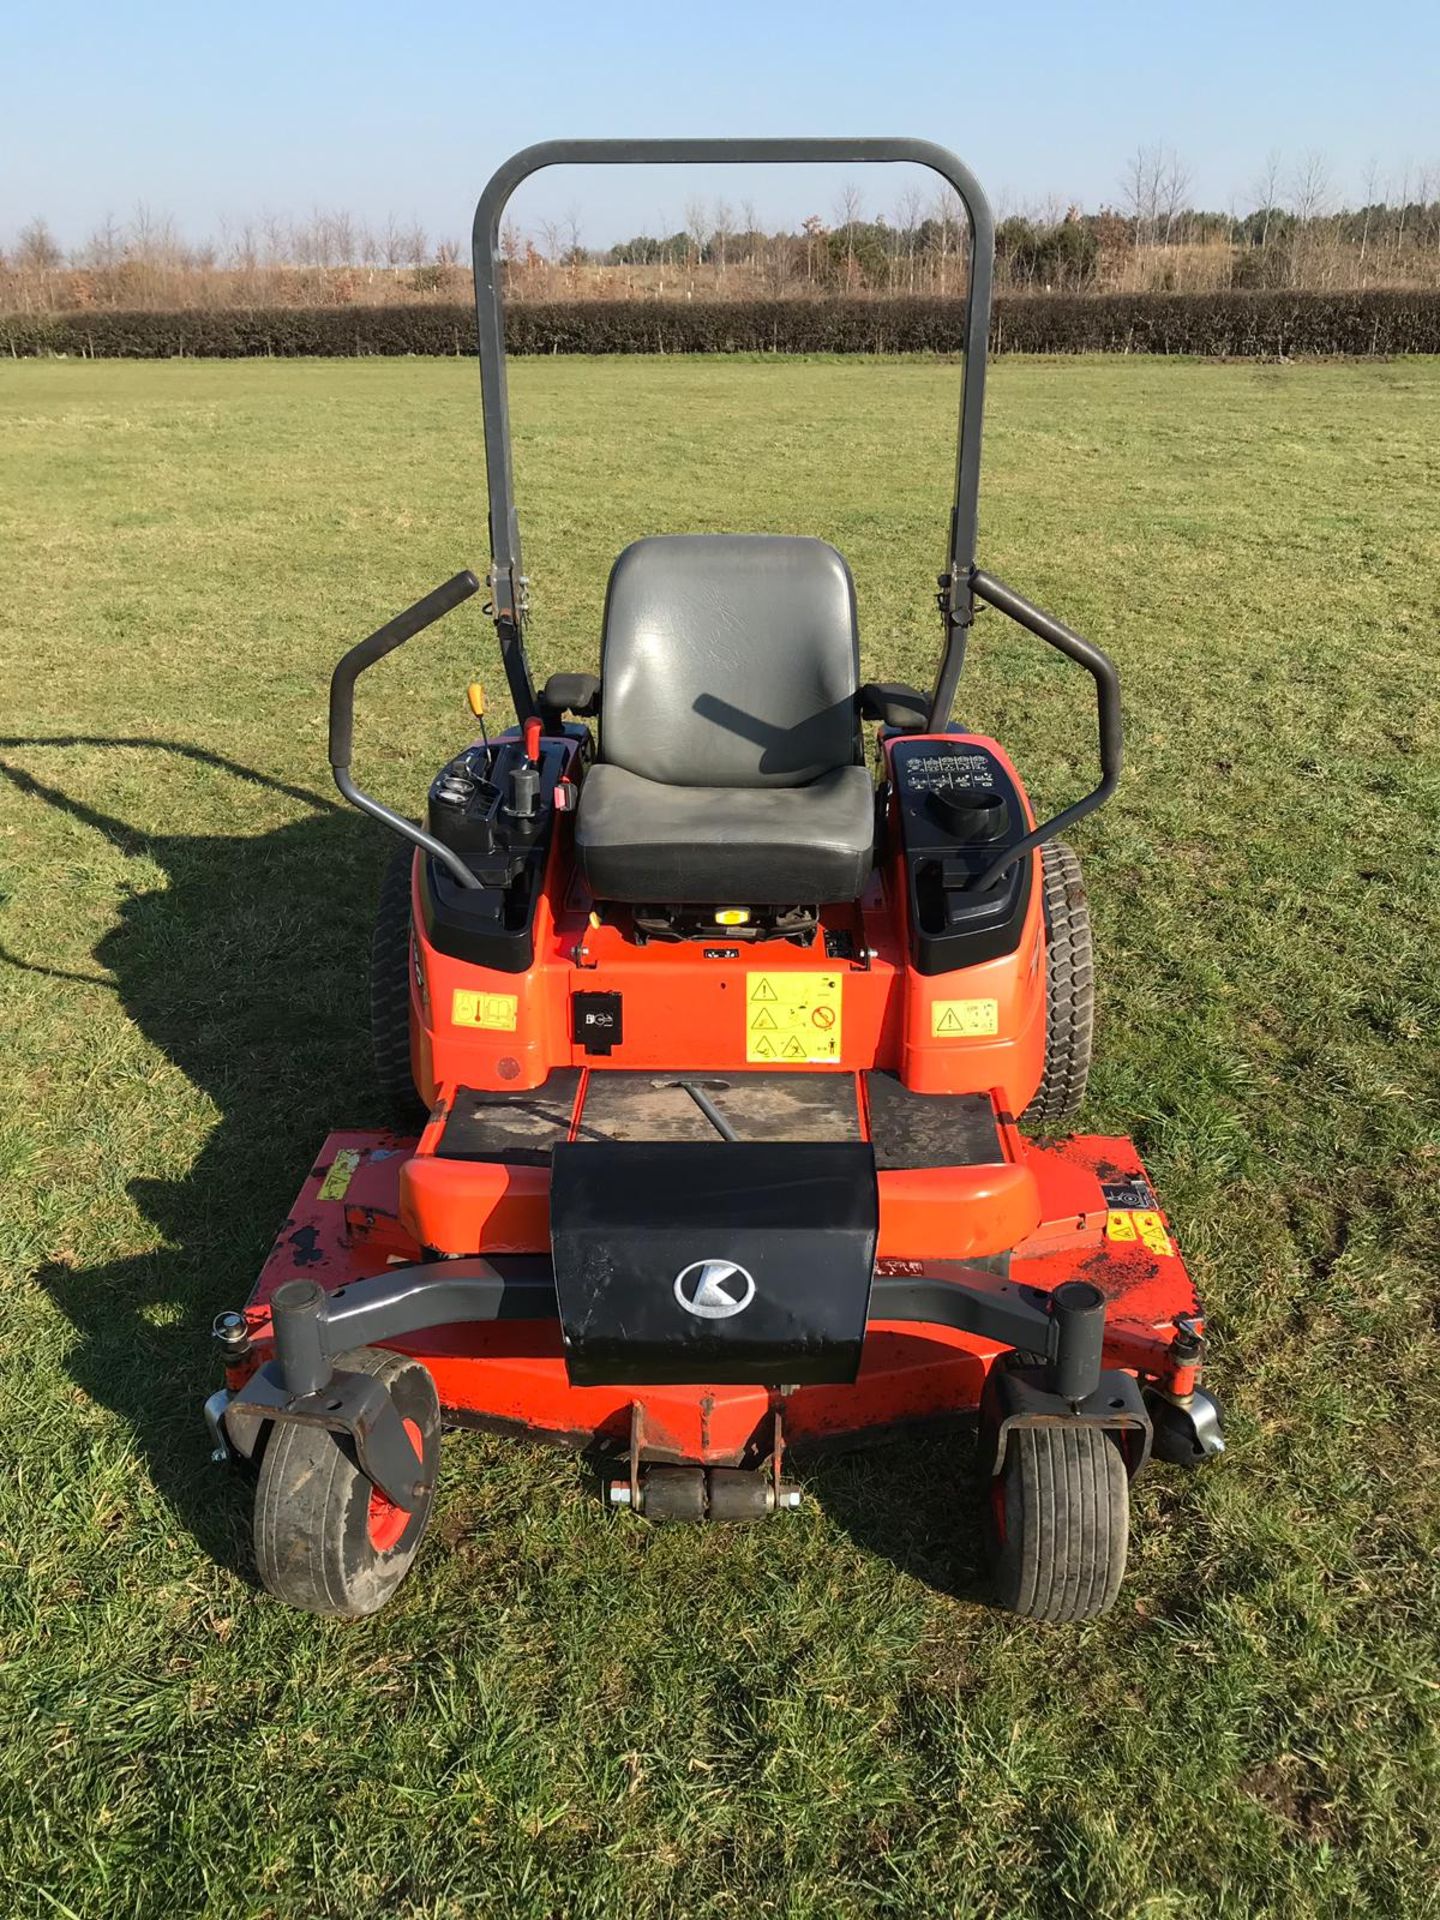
{"x":792,"y":1019}
{"x":1136,"y":1224}
{"x":336,"y":1183}
{"x":497,"y":1011}
{"x":964,"y":1019}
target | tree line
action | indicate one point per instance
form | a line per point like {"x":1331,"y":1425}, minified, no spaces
{"x":1290,"y":230}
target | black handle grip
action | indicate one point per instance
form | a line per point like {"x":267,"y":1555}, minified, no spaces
{"x":1101,"y":668}
{"x":384,"y":640}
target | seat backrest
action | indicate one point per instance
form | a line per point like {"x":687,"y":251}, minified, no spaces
{"x":730,"y":660}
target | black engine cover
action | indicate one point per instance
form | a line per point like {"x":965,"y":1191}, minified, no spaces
{"x":738,"y":1263}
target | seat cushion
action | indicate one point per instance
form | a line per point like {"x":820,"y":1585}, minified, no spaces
{"x":644,"y":843}
{"x":730,"y":660}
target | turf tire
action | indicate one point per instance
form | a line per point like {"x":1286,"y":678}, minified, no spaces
{"x":1069,"y":991}
{"x":1060,"y":1523}
{"x":314,"y":1539}
{"x":390,"y":991}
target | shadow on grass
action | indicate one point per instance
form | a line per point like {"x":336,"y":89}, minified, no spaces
{"x":913,"y":1499}
{"x":248,"y":971}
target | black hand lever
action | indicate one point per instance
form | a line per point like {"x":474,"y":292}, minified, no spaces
{"x":1101,"y":669}
{"x":364,"y":654}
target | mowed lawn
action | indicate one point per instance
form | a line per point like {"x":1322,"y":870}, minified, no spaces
{"x":566,"y":1713}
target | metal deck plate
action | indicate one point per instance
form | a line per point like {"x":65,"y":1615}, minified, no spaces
{"x":759,"y":1106}
{"x":930,"y":1129}
{"x":517,"y":1129}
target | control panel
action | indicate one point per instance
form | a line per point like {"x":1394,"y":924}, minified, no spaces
{"x":959,"y":808}
{"x":494,"y":805}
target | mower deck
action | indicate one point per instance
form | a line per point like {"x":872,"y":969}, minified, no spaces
{"x":1099,"y":1222}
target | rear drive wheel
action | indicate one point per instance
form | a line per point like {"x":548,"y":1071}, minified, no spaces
{"x":390,"y":991}
{"x":1060,"y":1523}
{"x":1069,"y":990}
{"x":326,"y":1539}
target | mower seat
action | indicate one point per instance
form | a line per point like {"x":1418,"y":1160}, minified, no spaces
{"x":731,"y":768}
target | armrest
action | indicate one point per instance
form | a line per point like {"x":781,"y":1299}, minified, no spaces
{"x":577,"y":693}
{"x":895,"y":705}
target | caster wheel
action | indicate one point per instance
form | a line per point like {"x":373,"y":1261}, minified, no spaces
{"x":674,"y":1493}
{"x":326,"y":1540}
{"x":1060,"y":1523}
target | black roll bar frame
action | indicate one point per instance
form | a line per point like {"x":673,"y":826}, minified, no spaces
{"x":961,"y":583}
{"x":507,"y":580}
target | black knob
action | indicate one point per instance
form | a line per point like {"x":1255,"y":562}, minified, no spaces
{"x":971,"y":814}
{"x":524,"y":791}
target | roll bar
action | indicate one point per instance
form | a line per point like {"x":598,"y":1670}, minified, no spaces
{"x":506,"y":579}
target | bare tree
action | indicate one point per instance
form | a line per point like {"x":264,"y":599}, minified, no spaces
{"x":1140,"y":191}
{"x":106,"y":245}
{"x":37,"y":248}
{"x":697,"y":228}
{"x":752,"y":227}
{"x":574,"y":242}
{"x":848,"y":209}
{"x":1372,"y":195}
{"x":1154,"y":186}
{"x":1266,"y":192}
{"x":722,"y":223}
{"x":946,"y":215}
{"x":1172,"y":184}
{"x":1310,"y":190}
{"x":1402,"y":203}
{"x":907,"y":222}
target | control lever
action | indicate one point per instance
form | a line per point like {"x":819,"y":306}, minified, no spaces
{"x":524,"y":791}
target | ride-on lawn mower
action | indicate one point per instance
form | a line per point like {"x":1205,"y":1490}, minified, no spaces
{"x":736,"y":1073}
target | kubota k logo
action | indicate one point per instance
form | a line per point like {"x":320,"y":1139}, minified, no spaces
{"x":714,"y":1289}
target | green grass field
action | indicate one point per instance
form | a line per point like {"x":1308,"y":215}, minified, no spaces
{"x":565,"y":1714}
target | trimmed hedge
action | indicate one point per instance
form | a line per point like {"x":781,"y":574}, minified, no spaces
{"x":1242,"y":325}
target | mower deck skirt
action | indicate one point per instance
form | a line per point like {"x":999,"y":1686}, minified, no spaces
{"x":488,"y":1331}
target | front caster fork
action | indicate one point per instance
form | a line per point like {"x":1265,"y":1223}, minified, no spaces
{"x":1188,"y":1429}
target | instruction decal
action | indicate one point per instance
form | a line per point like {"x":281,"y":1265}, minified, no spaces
{"x":336,"y":1183}
{"x":496,"y":1011}
{"x":1134,"y":1215}
{"x":793,"y":1019}
{"x":1135,"y":1192}
{"x":964,"y":1019}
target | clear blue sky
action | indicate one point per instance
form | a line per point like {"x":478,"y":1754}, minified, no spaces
{"x":208,"y":111}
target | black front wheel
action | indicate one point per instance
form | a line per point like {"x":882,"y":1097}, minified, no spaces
{"x":1060,"y":1523}
{"x":326,"y":1539}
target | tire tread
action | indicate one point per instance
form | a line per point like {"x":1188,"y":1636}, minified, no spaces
{"x":1069,"y":990}
{"x":1067,"y":1523}
{"x":390,"y":989}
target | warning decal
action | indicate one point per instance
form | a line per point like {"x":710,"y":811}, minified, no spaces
{"x":494,"y":1010}
{"x":964,"y":1019}
{"x":1134,"y":1223}
{"x":342,"y":1171}
{"x":792,"y":1019}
